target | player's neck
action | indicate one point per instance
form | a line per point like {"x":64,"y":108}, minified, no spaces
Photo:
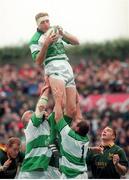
{"x":107,"y":143}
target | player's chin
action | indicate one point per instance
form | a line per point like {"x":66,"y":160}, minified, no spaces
{"x":103,"y":137}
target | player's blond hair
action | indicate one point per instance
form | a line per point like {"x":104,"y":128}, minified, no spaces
{"x":41,"y":14}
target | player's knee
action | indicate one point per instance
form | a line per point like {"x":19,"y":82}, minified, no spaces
{"x":58,"y":94}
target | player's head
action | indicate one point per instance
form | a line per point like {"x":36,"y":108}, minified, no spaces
{"x":26,"y":117}
{"x":13,"y":147}
{"x":80,"y":126}
{"x":42,"y":20}
{"x":108,"y":134}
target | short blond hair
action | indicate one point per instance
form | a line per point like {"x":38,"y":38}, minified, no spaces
{"x":41,"y":14}
{"x":13,"y":140}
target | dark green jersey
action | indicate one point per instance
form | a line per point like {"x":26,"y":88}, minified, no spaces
{"x":11,"y":171}
{"x":102,"y":166}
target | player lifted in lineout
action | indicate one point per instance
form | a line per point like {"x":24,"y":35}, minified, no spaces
{"x":47,"y":48}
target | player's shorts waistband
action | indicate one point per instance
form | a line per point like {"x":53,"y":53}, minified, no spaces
{"x":56,"y":58}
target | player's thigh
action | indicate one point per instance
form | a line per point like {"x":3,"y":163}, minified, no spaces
{"x":58,"y":88}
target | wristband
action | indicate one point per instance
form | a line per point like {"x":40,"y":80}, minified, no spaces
{"x":42,"y":102}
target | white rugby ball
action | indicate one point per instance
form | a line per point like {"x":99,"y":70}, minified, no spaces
{"x":53,"y":30}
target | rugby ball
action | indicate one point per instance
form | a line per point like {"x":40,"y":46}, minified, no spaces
{"x":53,"y":30}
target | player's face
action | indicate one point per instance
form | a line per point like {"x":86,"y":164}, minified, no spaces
{"x":74,"y":125}
{"x":13,"y":151}
{"x":44,"y":25}
{"x":107,"y":134}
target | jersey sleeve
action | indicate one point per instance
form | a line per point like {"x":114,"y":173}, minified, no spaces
{"x":51,"y":120}
{"x":35,"y":49}
{"x":61,"y":124}
{"x":123,"y":158}
{"x":68,"y":119}
{"x":65,"y":40}
{"x":36,"y":121}
{"x":35,"y":45}
{"x":34,"y":55}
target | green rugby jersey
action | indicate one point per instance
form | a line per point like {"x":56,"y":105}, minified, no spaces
{"x":38,"y":137}
{"x":56,"y":50}
{"x":102,"y":165}
{"x":73,"y":149}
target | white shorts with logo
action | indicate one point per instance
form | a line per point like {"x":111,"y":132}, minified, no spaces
{"x":60,"y":69}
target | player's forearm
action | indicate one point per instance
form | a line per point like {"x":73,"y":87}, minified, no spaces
{"x":42,"y":104}
{"x":42,"y":55}
{"x":46,"y":93}
{"x":58,"y":110}
{"x":92,"y":149}
{"x":72,"y":39}
{"x":121,"y":169}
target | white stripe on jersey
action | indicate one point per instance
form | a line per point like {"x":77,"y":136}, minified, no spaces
{"x":39,"y":152}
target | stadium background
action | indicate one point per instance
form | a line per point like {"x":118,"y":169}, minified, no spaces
{"x":102,"y":77}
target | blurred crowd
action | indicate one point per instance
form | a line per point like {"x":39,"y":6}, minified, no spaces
{"x":20,"y":88}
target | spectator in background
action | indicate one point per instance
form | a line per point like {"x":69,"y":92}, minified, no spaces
{"x":113,"y":163}
{"x":10,"y":158}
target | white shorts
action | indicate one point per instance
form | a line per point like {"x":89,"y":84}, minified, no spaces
{"x":33,"y":175}
{"x":80,"y":176}
{"x":61,"y":69}
{"x":53,"y":172}
{"x":50,"y":173}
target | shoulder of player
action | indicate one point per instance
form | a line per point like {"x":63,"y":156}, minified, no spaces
{"x":117,"y":148}
{"x":34,"y":39}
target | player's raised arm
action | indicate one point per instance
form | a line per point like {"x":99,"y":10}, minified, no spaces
{"x":68,"y":37}
{"x":43,"y":100}
{"x":42,"y":54}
